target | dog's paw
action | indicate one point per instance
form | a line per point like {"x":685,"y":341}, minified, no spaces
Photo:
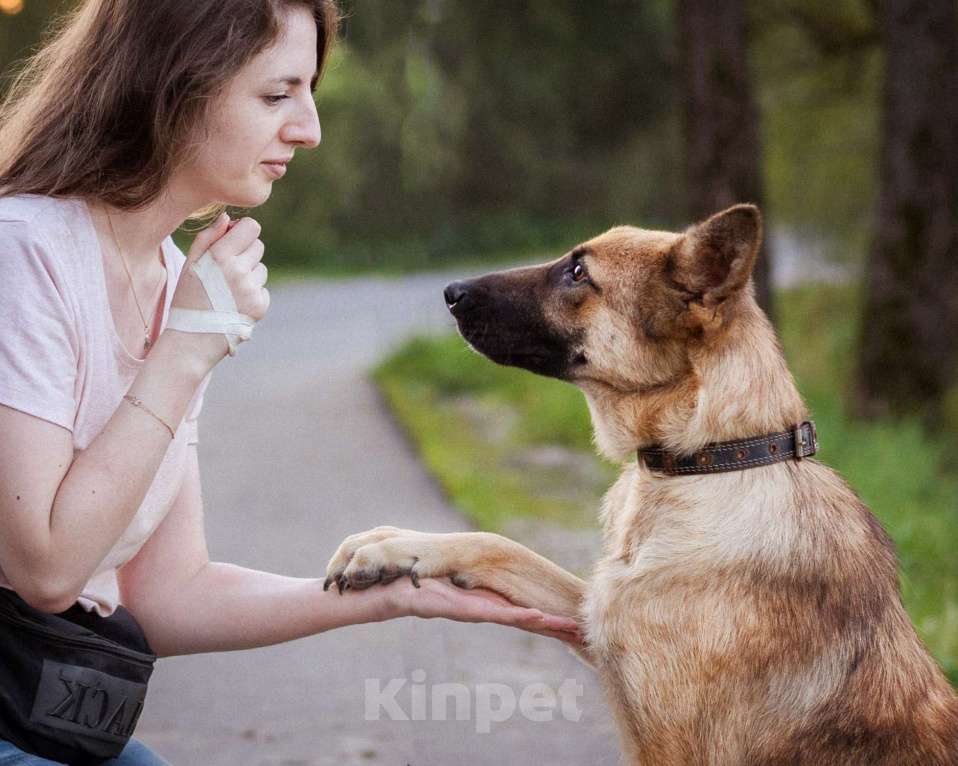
{"x":382,"y":562}
{"x":342,"y":570}
{"x":386,"y":554}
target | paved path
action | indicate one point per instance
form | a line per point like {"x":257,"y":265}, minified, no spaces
{"x":297,"y":452}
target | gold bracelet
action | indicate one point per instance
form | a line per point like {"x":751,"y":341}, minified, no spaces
{"x":137,"y":403}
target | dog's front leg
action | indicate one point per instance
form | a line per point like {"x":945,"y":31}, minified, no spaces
{"x":470,"y":559}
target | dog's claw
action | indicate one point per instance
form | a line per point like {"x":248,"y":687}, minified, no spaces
{"x":414,"y":576}
{"x":327,"y":583}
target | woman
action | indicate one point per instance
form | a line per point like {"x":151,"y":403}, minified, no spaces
{"x":136,"y":116}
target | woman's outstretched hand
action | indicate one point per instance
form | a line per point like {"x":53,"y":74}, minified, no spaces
{"x":440,"y":598}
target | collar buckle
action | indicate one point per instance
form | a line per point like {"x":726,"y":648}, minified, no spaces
{"x":806,"y":440}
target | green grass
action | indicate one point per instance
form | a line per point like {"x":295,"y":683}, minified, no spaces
{"x":446,"y":396}
{"x":425,"y":384}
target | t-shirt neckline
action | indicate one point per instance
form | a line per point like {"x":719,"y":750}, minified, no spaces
{"x":121,"y":351}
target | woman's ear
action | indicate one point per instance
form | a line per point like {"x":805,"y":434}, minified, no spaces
{"x":714,"y":258}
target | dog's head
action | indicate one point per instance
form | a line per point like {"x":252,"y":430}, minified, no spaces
{"x":623,"y":315}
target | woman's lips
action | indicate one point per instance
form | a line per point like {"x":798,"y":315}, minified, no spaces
{"x":276,"y":169}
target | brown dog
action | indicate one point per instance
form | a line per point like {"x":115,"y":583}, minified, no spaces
{"x":741,"y":614}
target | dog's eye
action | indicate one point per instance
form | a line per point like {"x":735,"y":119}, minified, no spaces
{"x":578,"y":272}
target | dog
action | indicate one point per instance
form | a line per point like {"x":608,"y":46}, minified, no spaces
{"x":744,"y":614}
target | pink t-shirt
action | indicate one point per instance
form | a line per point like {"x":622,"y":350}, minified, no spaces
{"x":61,"y":358}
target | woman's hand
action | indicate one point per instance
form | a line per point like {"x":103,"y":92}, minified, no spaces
{"x":236,"y":248}
{"x":440,"y":598}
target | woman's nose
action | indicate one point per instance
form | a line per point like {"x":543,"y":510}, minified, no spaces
{"x":305,"y":130}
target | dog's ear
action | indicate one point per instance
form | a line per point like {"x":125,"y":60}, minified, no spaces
{"x":713,"y":260}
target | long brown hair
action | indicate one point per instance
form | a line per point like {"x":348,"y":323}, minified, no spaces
{"x":105,"y":109}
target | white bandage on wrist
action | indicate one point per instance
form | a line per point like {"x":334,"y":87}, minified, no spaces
{"x":223,"y":317}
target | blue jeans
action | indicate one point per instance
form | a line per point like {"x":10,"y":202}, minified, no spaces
{"x":134,"y":754}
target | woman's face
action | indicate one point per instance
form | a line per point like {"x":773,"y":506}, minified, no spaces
{"x":266,"y":112}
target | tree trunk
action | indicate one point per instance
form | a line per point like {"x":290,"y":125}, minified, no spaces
{"x":910,"y":317}
{"x":723,"y":152}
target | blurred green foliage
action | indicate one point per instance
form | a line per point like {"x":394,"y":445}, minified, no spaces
{"x":454,"y":129}
{"x":818,"y":66}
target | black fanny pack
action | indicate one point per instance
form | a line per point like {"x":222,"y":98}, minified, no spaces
{"x":72,"y":685}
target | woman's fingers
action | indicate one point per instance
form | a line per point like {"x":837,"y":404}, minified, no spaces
{"x":205,"y":239}
{"x":482,"y":595}
{"x":237,"y":250}
{"x":264,"y":297}
{"x":574,"y":639}
{"x":259,"y":274}
{"x":235,"y":241}
{"x":439,"y":598}
{"x":502,"y":607}
{"x":535,"y":621}
{"x":541,"y":622}
{"x":559,"y":623}
{"x":245,"y":261}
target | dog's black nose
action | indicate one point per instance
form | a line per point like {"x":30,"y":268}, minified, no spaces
{"x":455,"y":292}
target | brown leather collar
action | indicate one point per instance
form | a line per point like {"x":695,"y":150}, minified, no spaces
{"x":798,"y":443}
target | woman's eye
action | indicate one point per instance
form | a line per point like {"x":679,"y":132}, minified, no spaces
{"x":578,"y":273}
{"x":274,"y":99}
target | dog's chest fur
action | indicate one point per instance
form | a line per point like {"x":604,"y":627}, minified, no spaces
{"x":726,"y":598}
{"x":662,"y":534}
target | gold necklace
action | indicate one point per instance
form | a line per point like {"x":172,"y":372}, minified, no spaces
{"x":147,"y":341}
